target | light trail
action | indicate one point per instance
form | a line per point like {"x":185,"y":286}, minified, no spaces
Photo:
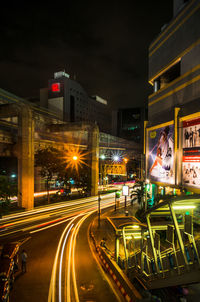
{"x":73,"y":254}
{"x":68,"y":271}
{"x":70,"y":256}
{"x":61,"y":261}
{"x":52,"y":288}
{"x":51,"y":296}
{"x":46,"y":214}
{"x":56,"y":206}
{"x":50,"y":226}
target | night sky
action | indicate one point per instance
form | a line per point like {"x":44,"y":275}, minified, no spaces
{"x":104,"y":44}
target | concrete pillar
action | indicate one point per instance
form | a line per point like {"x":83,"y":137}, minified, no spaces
{"x":26,"y":158}
{"x":93,"y":143}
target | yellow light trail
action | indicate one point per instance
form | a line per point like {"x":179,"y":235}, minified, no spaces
{"x":76,"y":230}
{"x":61,"y":260}
{"x":70,"y":268}
{"x":51,"y":296}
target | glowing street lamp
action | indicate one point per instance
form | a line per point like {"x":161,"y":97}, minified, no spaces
{"x":74,"y":158}
{"x":125,"y":160}
{"x":102,"y":156}
{"x":116,"y":158}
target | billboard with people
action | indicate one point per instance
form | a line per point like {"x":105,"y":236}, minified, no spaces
{"x":191,"y":153}
{"x":161,"y":154}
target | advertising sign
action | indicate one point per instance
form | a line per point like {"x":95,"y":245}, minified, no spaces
{"x":115,"y":169}
{"x":125,"y":190}
{"x":161,"y":154}
{"x":191,"y":153}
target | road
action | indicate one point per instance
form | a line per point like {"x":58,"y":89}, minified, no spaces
{"x":92,"y":282}
{"x":61,"y":266}
{"x":21,"y":223}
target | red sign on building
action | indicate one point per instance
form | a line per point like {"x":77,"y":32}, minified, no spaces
{"x":55,"y":87}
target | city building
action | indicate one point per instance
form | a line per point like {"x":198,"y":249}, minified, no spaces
{"x":128,"y":123}
{"x":68,"y":99}
{"x":173,"y":128}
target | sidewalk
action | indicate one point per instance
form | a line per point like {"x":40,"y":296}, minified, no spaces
{"x":106,"y":231}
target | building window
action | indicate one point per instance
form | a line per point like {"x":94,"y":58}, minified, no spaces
{"x":168,"y":76}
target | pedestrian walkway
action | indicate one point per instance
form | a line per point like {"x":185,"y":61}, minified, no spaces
{"x":105,"y":231}
{"x":139,"y":264}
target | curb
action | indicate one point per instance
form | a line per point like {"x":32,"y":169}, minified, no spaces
{"x":132,"y":296}
{"x":114,"y":277}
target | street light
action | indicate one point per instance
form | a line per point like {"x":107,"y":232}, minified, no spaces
{"x":75,"y":158}
{"x":102,"y":156}
{"x":116,"y":158}
{"x":125,"y":159}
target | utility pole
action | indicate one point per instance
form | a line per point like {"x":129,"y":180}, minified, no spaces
{"x":99,"y":210}
{"x":125,"y":200}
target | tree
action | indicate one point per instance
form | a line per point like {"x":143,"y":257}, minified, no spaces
{"x":8,"y":189}
{"x":83,"y":178}
{"x":50,"y":160}
{"x":138,"y":193}
{"x":80,"y":176}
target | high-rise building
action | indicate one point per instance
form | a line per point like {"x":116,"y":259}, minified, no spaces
{"x":128,"y":124}
{"x":68,"y":99}
{"x":173,"y":129}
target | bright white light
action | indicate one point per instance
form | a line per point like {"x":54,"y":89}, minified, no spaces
{"x":13,"y":175}
{"x":135,"y":226}
{"x":183,"y":207}
{"x":102,"y":156}
{"x":115,"y":157}
{"x":129,"y":237}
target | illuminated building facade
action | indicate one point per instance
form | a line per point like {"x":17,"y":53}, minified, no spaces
{"x":173,"y":129}
{"x":68,"y":99}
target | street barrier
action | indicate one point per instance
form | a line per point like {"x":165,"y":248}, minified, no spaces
{"x":126,"y":288}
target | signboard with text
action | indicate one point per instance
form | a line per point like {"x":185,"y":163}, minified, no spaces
{"x":125,"y":190}
{"x":115,"y":169}
{"x":161,"y":154}
{"x":191,"y":153}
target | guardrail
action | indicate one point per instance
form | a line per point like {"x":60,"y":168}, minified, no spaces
{"x":124,"y":285}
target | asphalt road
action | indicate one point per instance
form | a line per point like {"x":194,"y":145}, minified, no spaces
{"x":41,"y":249}
{"x":33,"y":286}
{"x":91,"y":279}
{"x":41,"y":243}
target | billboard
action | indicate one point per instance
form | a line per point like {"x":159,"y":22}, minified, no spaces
{"x":115,"y":169}
{"x":191,"y":153}
{"x":161,"y":154}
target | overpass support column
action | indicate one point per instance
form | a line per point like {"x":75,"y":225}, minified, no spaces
{"x":26,"y":159}
{"x":93,"y":142}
